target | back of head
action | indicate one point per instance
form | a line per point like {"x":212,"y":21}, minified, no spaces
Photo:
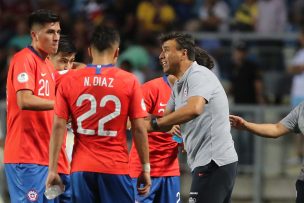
{"x":41,"y":17}
{"x":66,"y":45}
{"x":105,"y":38}
{"x":183,"y":40}
{"x":203,"y":58}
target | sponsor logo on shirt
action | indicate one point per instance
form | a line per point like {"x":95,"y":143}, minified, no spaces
{"x":185,"y":92}
{"x":23,"y":77}
{"x":43,"y":74}
{"x":32,"y":195}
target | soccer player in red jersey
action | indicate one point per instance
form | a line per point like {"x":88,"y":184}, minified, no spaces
{"x":100,"y":98}
{"x":163,"y":150}
{"x":30,"y":98}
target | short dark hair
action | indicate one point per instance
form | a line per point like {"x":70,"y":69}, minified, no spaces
{"x":66,"y":45}
{"x":203,"y":58}
{"x":104,"y":38}
{"x":42,"y":16}
{"x":184,"y":41}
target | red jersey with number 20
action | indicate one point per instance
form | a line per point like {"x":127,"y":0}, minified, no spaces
{"x":28,"y":132}
{"x":163,"y":150}
{"x":99,"y":100}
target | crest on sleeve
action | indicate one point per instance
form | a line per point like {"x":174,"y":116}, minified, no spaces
{"x":143,"y":105}
{"x":23,"y":77}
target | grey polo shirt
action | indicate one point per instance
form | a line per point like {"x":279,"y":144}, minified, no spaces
{"x":294,"y":121}
{"x":207,"y":137}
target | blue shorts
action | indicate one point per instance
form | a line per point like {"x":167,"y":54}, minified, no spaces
{"x":26,"y":183}
{"x":91,"y":187}
{"x":163,"y":190}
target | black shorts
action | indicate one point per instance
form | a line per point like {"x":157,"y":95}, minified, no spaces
{"x":212,"y":183}
{"x":300,"y":191}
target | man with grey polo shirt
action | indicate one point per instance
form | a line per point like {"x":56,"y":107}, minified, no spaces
{"x":199,"y":105}
{"x":293,"y":122}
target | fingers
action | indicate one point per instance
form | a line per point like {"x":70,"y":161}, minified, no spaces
{"x":143,"y":190}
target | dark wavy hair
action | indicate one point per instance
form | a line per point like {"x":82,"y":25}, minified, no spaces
{"x":194,"y":53}
{"x":203,"y":58}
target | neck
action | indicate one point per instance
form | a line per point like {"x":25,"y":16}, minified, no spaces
{"x":41,"y":53}
{"x":103,"y":60}
{"x":183,"y":68}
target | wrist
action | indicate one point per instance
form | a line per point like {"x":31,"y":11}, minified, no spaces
{"x":146,"y":167}
{"x":154,"y":124}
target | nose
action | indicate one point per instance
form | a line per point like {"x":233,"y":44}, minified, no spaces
{"x":56,"y":36}
{"x":161,"y":55}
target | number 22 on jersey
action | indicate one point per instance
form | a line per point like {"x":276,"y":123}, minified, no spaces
{"x":92,"y":111}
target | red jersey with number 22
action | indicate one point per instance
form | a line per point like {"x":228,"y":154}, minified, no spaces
{"x":99,"y":100}
{"x":163,"y":150}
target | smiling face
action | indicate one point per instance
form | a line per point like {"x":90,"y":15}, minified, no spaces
{"x":46,"y":38}
{"x":63,"y":61}
{"x":170,"y":57}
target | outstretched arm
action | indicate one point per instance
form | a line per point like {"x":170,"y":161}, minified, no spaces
{"x":263,"y":130}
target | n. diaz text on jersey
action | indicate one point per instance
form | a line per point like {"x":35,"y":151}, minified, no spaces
{"x":98,"y":81}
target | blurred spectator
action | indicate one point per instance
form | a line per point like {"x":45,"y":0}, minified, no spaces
{"x":296,"y":68}
{"x":245,"y":77}
{"x":122,"y":13}
{"x":80,"y":36}
{"x":154,"y":16}
{"x":245,"y":16}
{"x":21,"y":38}
{"x":184,"y":11}
{"x":297,"y":13}
{"x":138,"y":58}
{"x":271,"y":20}
{"x":272,"y":16}
{"x":246,"y":88}
{"x":214,"y":16}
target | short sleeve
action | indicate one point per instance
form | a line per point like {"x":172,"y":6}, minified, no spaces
{"x":171,"y":103}
{"x":200,"y":85}
{"x":148,"y":97}
{"x":61,"y":104}
{"x":291,"y":120}
{"x":23,"y":73}
{"x":137,"y":104}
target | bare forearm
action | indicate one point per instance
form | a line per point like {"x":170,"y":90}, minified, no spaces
{"x":28,"y":101}
{"x":141,"y":141}
{"x":56,"y":141}
{"x":296,"y":69}
{"x":265,"y":130}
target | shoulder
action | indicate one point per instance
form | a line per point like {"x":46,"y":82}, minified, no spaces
{"x":24,"y":53}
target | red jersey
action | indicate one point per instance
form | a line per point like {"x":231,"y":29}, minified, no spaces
{"x":28,"y":132}
{"x":163,"y":150}
{"x":58,"y":75}
{"x":99,"y":105}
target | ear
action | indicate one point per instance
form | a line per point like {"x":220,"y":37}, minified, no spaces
{"x":90,"y":51}
{"x":34,"y":35}
{"x":116,"y":54}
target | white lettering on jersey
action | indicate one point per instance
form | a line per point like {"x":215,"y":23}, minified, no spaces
{"x":98,"y":81}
